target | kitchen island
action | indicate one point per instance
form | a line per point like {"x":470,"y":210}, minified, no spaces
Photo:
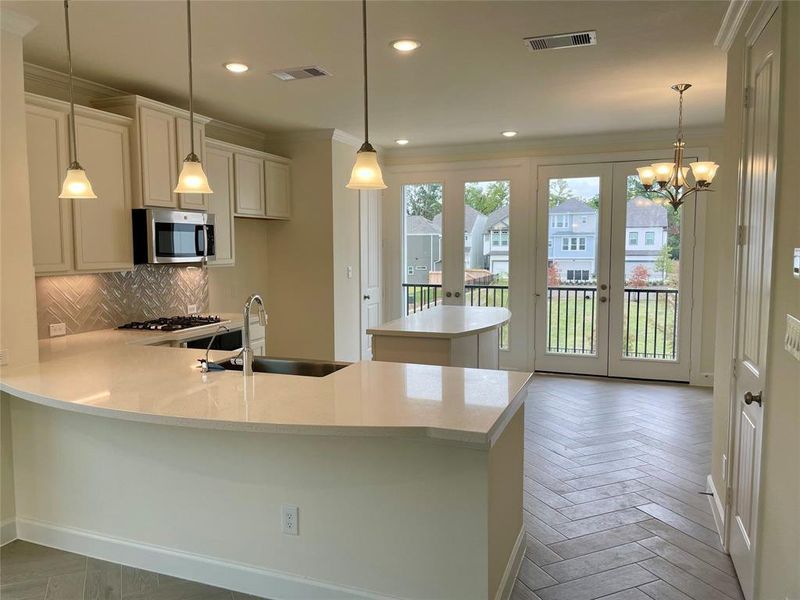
{"x":408,"y":477}
{"x":456,"y":336}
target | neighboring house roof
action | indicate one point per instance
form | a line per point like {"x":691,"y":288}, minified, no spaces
{"x":470,"y":216}
{"x":417,"y":224}
{"x":573,"y":205}
{"x":645,"y":213}
{"x":495,"y":217}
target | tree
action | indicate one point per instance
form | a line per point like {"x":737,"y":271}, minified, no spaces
{"x":664,"y":263}
{"x":553,"y":274}
{"x":560,"y":192}
{"x":640,"y":277}
{"x":486,"y":198}
{"x":424,"y":200}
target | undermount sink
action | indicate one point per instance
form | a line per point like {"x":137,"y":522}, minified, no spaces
{"x":288,"y":366}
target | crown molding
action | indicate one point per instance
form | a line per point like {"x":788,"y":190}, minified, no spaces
{"x":533,"y":146}
{"x":731,"y":23}
{"x":36,"y":75}
{"x":236,"y":134}
{"x":347,"y":138}
{"x":16,"y":23}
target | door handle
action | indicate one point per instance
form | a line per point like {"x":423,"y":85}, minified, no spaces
{"x":449,"y":294}
{"x":458,"y":294}
{"x":603,"y":298}
{"x":750,"y":397}
{"x":603,"y":286}
{"x":366,"y":296}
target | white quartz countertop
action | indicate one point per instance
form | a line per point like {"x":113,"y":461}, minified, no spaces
{"x":445,"y":322}
{"x":112,"y":373}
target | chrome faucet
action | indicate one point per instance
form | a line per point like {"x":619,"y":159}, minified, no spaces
{"x":247,"y":350}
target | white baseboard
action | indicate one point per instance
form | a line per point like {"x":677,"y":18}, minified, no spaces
{"x":717,"y":509}
{"x":512,"y":568}
{"x":235,"y":576}
{"x":8,"y":531}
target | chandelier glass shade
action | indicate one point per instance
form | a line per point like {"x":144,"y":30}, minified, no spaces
{"x":671,"y":179}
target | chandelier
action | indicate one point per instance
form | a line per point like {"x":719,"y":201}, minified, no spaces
{"x":671,"y":178}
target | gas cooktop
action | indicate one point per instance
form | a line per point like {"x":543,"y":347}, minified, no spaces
{"x":173,"y":323}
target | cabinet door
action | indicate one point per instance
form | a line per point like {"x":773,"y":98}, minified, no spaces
{"x":191,"y":201}
{"x":219,"y":168}
{"x":103,"y":225}
{"x":51,"y":217}
{"x":159,"y":162}
{"x":250,"y":200}
{"x":278,"y":190}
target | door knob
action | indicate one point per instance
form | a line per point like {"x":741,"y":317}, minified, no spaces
{"x":449,"y":294}
{"x":750,"y":397}
{"x":366,"y":297}
{"x":603,"y":298}
{"x":603,"y":286}
{"x":458,"y":294}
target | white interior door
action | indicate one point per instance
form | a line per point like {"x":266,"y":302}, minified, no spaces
{"x":371,"y":263}
{"x":572,"y":268}
{"x":756,"y":221}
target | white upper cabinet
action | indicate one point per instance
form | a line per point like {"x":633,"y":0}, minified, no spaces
{"x":278,"y":190}
{"x":219,"y":169}
{"x":51,"y":217}
{"x":157,"y":153}
{"x":160,"y":142}
{"x":250,"y":185}
{"x":103,"y":225}
{"x":191,"y":201}
{"x":81,"y":235}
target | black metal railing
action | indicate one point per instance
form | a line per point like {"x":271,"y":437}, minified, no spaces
{"x":420,"y":296}
{"x":650,"y":321}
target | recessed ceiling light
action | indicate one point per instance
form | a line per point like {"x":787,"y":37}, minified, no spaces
{"x":401,"y":142}
{"x":406,"y":45}
{"x":508,"y":133}
{"x":235,"y":67}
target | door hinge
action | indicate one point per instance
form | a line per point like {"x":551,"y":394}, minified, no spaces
{"x":748,"y":96}
{"x":741,"y":235}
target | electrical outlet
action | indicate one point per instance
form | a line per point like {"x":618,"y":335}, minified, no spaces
{"x":289,"y":519}
{"x":57,"y":329}
{"x":192,"y":309}
{"x":348,"y":272}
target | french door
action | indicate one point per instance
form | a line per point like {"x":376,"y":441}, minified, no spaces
{"x":613,"y":275}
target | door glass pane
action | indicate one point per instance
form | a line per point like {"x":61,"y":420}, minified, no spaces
{"x":572,"y":247}
{"x":422,"y":274}
{"x":652,"y":260}
{"x":486,"y":245}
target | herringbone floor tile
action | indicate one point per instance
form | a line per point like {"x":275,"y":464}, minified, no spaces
{"x":613,"y":471}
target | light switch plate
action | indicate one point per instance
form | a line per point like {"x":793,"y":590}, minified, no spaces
{"x":57,"y":329}
{"x":792,"y":340}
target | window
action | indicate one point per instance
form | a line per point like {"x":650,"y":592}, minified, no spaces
{"x":572,"y":244}
{"x":559,"y":221}
{"x":582,"y":243}
{"x":650,"y":238}
{"x":577,"y":275}
{"x":550,"y":243}
{"x":565,"y":243}
{"x":584,"y":219}
{"x":633,"y":238}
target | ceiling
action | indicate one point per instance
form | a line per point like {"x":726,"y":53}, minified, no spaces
{"x":472,"y":78}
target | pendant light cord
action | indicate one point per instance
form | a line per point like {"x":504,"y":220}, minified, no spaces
{"x":73,"y":148}
{"x":680,"y":116}
{"x":191,"y":105}
{"x":366,"y":93}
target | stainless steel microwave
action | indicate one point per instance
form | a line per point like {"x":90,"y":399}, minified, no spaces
{"x":161,"y":235}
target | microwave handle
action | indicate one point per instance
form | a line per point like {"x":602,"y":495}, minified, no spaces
{"x":205,"y":244}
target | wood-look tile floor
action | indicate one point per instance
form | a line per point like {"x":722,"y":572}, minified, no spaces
{"x":612,"y":510}
{"x":613,"y":471}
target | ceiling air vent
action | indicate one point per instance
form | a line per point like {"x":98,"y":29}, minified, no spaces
{"x":561,"y":40}
{"x":300,"y":73}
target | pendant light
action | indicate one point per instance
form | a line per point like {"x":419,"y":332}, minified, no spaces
{"x":366,"y":173}
{"x":76,"y":184}
{"x":192,"y":179}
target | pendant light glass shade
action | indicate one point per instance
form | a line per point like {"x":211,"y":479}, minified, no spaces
{"x":366,"y":174}
{"x":192,"y":179}
{"x":76,"y":184}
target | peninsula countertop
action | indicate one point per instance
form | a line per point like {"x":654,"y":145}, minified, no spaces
{"x":114,"y":374}
{"x":445,"y":322}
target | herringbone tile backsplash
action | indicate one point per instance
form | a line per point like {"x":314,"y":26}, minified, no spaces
{"x":103,"y":300}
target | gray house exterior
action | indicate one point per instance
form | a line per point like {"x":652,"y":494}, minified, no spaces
{"x":423,"y":249}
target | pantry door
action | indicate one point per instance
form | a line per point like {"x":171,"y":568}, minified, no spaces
{"x":572,"y":268}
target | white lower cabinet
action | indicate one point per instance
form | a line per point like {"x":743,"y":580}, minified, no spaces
{"x":85,"y":235}
{"x":220,"y":172}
